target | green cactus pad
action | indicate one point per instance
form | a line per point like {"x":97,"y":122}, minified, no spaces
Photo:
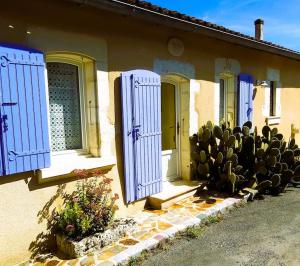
{"x":246,"y":131}
{"x":237,"y":130}
{"x":248,"y":124}
{"x":218,"y":132}
{"x":278,"y":168}
{"x":239,"y":169}
{"x":265,"y":131}
{"x":206,"y":135}
{"x":261,"y":168}
{"x":209,"y":125}
{"x":286,"y":176}
{"x":232,"y":178}
{"x":238,"y":136}
{"x":275,"y":179}
{"x":227,"y":167}
{"x":265,"y":146}
{"x":226,"y":135}
{"x":271,"y":160}
{"x":287,"y":156}
{"x":262,"y":186}
{"x":275,"y":144}
{"x":203,"y":169}
{"x":292,"y":143}
{"x":297,"y":171}
{"x":297,"y":152}
{"x":220,"y":158}
{"x":214,"y":151}
{"x":200,"y":133}
{"x":279,"y":136}
{"x":231,"y":141}
{"x":194,"y":139}
{"x":274,"y":152}
{"x":252,"y":182}
{"x":229,"y":153}
{"x":202,"y":156}
{"x":274,"y":131}
{"x":234,"y":159}
{"x":260,"y":153}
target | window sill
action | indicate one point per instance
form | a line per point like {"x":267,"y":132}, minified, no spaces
{"x":273,"y":120}
{"x":63,"y":165}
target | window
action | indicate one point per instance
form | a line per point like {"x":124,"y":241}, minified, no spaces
{"x":65,"y":105}
{"x":227,"y":100}
{"x":168,"y":116}
{"x":222,"y":109}
{"x":272,"y":98}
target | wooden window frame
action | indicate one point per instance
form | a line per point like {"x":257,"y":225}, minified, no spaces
{"x":82,"y":99}
{"x":272,"y":111}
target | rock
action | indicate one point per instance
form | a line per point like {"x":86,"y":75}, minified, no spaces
{"x":250,"y":193}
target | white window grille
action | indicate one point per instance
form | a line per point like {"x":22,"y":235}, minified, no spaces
{"x":64,"y":106}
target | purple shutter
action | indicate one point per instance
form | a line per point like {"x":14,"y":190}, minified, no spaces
{"x":141,"y":105}
{"x":23,"y":110}
{"x":245,"y":102}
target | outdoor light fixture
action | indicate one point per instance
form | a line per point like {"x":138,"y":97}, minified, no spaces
{"x":262,"y":83}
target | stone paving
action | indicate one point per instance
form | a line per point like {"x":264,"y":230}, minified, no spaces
{"x":153,"y":227}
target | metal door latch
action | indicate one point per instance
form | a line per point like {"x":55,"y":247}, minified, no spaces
{"x":3,"y":120}
{"x":9,"y":104}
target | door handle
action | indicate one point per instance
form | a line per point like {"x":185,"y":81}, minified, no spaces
{"x":136,"y":132}
{"x":178,"y":128}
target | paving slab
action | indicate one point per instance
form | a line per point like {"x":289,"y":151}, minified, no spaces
{"x":153,"y":226}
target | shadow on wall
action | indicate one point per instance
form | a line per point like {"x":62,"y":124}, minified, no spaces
{"x":45,"y":241}
{"x":118,"y":134}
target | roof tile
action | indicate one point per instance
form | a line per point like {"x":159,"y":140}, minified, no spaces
{"x":175,"y":14}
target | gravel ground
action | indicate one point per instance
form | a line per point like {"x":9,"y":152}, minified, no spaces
{"x":264,"y":232}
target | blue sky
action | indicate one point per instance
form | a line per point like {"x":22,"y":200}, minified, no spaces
{"x":282,"y":17}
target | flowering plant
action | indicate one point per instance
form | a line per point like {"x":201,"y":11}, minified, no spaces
{"x":89,"y":209}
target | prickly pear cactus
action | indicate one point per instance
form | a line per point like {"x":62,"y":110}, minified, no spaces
{"x":232,"y":160}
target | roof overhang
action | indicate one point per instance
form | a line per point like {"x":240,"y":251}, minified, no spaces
{"x":145,"y":14}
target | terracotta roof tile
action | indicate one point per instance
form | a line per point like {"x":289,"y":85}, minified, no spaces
{"x":175,"y":14}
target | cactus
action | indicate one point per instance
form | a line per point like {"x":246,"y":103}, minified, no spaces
{"x":246,"y":131}
{"x":263,"y":186}
{"x":232,"y":160}
{"x":218,"y":132}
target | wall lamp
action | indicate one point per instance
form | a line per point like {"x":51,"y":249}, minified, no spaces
{"x":262,"y":83}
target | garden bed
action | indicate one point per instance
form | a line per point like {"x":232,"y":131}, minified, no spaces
{"x":74,"y":249}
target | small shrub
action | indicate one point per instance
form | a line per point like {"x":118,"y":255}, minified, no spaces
{"x":89,"y":209}
{"x":164,"y":245}
{"x":212,"y":219}
{"x":135,"y":261}
{"x":194,"y":232}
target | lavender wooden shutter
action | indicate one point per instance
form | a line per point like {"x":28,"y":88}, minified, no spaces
{"x":245,"y":102}
{"x":141,"y":105}
{"x":23,"y":110}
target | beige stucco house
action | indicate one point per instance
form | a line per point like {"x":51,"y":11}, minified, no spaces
{"x":89,"y":47}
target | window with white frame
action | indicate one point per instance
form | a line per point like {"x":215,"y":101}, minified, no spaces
{"x":227,"y":100}
{"x":66,"y":105}
{"x":222,"y":109}
{"x":272,"y":105}
{"x":272,"y":98}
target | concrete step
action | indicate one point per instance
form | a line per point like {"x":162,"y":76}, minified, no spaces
{"x":172,"y":193}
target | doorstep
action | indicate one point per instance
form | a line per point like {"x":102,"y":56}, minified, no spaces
{"x":173,"y":192}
